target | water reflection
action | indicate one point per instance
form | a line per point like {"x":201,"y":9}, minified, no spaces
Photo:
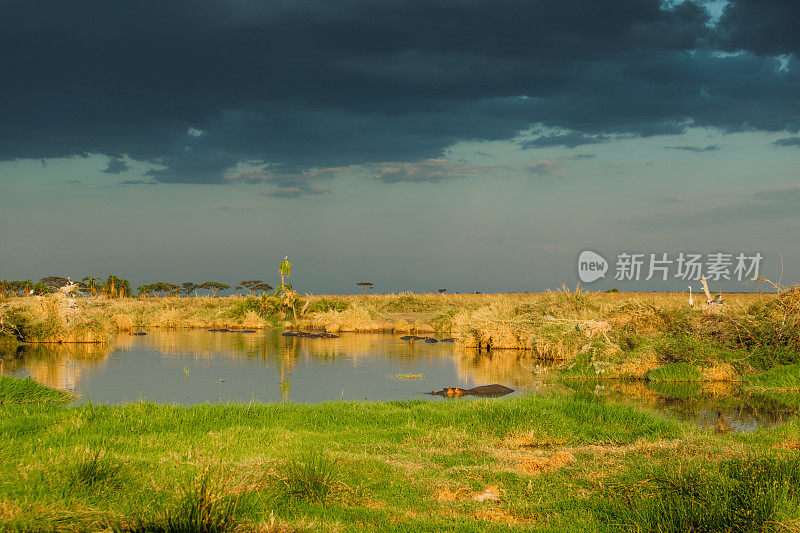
{"x":57,"y":366}
{"x":196,"y":366}
{"x":721,"y":407}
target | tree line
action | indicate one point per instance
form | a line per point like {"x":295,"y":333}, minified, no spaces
{"x":112,"y":287}
{"x":190,"y":288}
{"x":116,"y":287}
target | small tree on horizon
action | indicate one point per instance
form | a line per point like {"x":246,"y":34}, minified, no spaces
{"x":262,"y":287}
{"x":54,"y":282}
{"x":189,"y":287}
{"x":213,"y":287}
{"x":365,"y":285}
{"x":254,"y":285}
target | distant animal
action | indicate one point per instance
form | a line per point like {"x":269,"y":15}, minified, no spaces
{"x":307,"y":335}
{"x":447,"y":340}
{"x":691,"y":300}
{"x":430,"y":340}
{"x":484,"y":390}
{"x":717,"y":300}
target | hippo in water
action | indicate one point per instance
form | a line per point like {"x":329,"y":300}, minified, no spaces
{"x":484,"y":390}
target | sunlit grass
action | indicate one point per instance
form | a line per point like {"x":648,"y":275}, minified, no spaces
{"x":19,"y":391}
{"x":781,"y":378}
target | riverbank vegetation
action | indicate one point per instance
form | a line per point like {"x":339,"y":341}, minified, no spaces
{"x":564,"y":462}
{"x":654,"y":336}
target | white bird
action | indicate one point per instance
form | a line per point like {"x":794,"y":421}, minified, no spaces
{"x":691,"y":300}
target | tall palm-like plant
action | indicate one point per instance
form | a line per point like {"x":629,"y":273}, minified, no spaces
{"x":285,"y":270}
{"x":92,"y":284}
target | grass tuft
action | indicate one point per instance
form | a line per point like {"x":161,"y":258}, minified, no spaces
{"x":205,"y":507}
{"x":93,"y":471}
{"x":311,"y":478}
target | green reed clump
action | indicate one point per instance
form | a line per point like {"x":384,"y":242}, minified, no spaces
{"x":311,"y":478}
{"x":749,"y":493}
{"x":240,"y":309}
{"x":780,"y":378}
{"x":93,"y":471}
{"x":324,"y":304}
{"x":204,"y":507}
{"x":676,"y":372}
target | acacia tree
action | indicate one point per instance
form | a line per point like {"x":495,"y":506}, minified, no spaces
{"x":254,"y":285}
{"x":189,"y":287}
{"x":213,"y":287}
{"x":169,"y":289}
{"x":54,"y":282}
{"x":365,"y":285}
{"x":442,"y":291}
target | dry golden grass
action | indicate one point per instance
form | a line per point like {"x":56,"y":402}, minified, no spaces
{"x":537,"y":465}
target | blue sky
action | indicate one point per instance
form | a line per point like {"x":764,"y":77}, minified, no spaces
{"x":468,"y":146}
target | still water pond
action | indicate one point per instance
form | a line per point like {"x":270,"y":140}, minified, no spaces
{"x":197,"y":366}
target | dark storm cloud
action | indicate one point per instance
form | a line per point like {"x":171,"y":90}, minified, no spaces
{"x":311,"y":84}
{"x":766,"y":27}
{"x":787,"y":141}
{"x":116,"y":166}
{"x":685,"y":148}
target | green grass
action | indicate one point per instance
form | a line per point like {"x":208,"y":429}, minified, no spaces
{"x":13,"y":390}
{"x":335,"y":466}
{"x":780,"y":378}
{"x":559,"y":463}
{"x":676,"y":372}
{"x":746,"y":493}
